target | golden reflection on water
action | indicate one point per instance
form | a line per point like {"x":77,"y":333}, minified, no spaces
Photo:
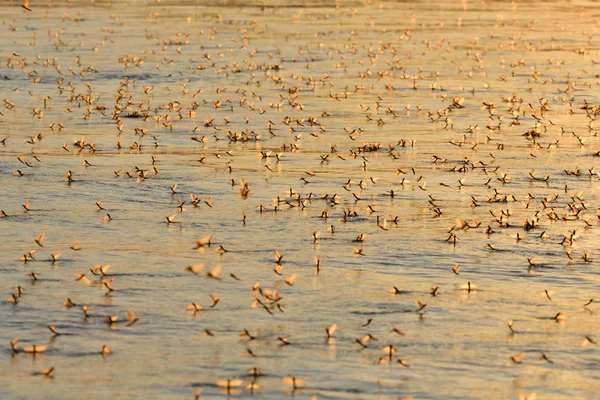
{"x":468,"y":127}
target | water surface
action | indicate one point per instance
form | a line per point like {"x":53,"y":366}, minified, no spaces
{"x":432,"y":103}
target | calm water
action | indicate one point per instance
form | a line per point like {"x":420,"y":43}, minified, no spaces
{"x":322,"y":87}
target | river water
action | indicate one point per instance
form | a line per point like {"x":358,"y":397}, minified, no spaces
{"x":471,"y":122}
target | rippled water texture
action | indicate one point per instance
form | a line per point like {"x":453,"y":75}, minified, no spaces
{"x":387,"y":141}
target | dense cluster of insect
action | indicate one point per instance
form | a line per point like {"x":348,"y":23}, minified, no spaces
{"x":355,"y":142}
